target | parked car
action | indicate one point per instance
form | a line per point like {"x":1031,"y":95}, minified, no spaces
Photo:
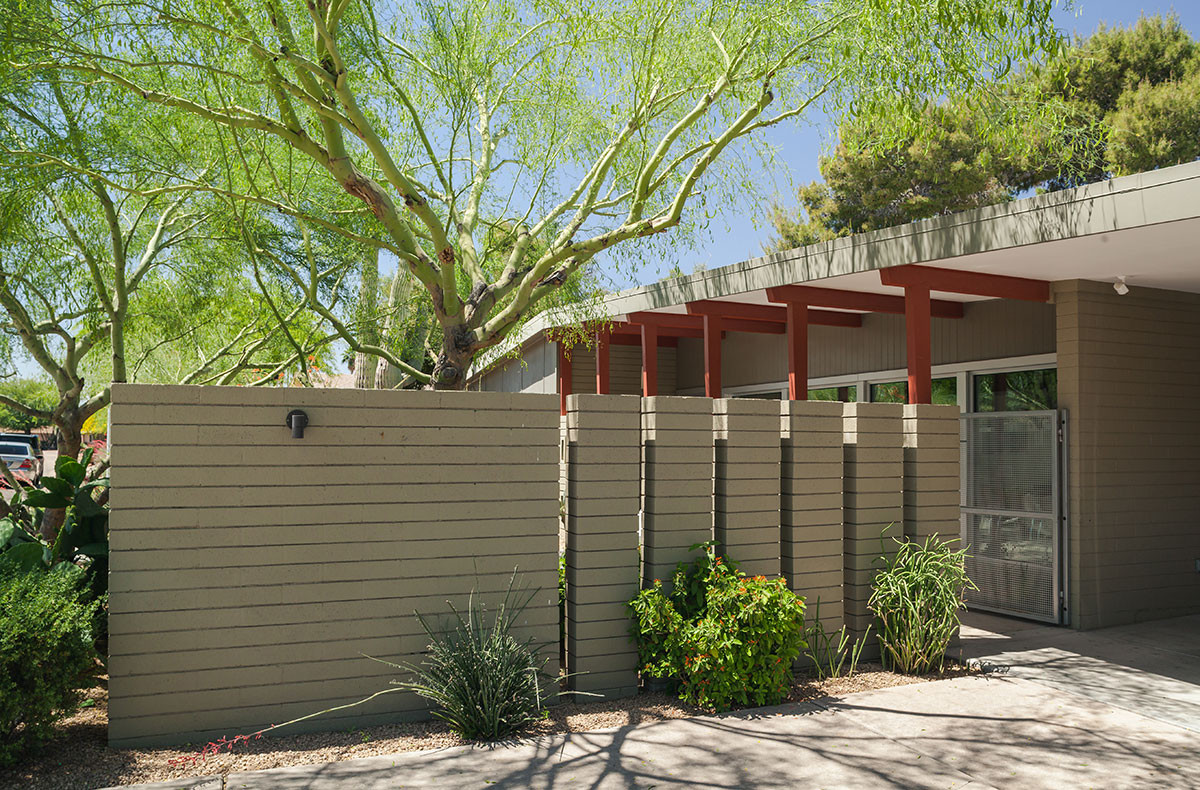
{"x":35,"y":443}
{"x":24,"y":465}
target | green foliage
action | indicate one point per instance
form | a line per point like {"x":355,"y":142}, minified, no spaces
{"x":917,"y":597}
{"x":46,"y":654}
{"x":83,"y":538}
{"x":496,"y":149}
{"x":828,"y":650}
{"x":1155,"y":125}
{"x":38,"y":394}
{"x":1123,"y":100}
{"x":729,"y":639}
{"x":484,"y":680}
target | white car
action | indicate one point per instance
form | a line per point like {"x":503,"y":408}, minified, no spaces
{"x":21,"y":461}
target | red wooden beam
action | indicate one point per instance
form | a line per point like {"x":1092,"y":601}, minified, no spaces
{"x":602,"y":363}
{"x":649,"y":360}
{"x":769,"y":313}
{"x":916,"y":330}
{"x":712,"y":355}
{"x":631,"y":339}
{"x":797,"y":341}
{"x":564,"y":377}
{"x":995,"y":286}
{"x":856,"y":300}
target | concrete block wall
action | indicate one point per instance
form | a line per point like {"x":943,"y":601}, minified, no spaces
{"x":602,"y":563}
{"x":811,"y":505}
{"x":873,"y":501}
{"x":932,"y":491}
{"x":251,"y":570}
{"x":746,"y":479}
{"x":677,"y":437}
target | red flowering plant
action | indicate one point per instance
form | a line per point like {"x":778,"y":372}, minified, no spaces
{"x":729,"y":639}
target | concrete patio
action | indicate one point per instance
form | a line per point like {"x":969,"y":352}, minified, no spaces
{"x":1150,"y":668}
{"x":1106,"y":709}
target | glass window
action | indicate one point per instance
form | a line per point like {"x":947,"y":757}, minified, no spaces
{"x":945,"y":392}
{"x":1022,"y":390}
{"x":839,"y":394}
{"x":772,"y":395}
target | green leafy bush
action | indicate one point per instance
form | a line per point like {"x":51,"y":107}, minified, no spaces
{"x":46,"y":653}
{"x":917,"y":597}
{"x":729,"y":639}
{"x":483,"y":680}
{"x":83,"y":538}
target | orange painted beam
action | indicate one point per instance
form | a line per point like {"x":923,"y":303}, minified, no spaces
{"x":797,"y":350}
{"x":856,"y":300}
{"x":920,"y":356}
{"x":712,"y":355}
{"x":995,"y":286}
{"x":769,"y":313}
{"x":649,"y":360}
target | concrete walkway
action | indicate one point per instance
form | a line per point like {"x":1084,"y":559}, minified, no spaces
{"x":1149,"y":668}
{"x":981,"y":733}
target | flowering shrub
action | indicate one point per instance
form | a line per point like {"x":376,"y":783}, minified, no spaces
{"x":728,"y":638}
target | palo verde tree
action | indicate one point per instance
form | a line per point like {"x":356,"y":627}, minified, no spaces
{"x":581,"y":126}
{"x":108,"y":271}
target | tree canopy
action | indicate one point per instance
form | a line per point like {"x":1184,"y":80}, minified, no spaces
{"x":494,"y":147}
{"x":1128,"y":100}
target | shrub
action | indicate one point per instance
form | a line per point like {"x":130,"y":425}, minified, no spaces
{"x":729,"y":639}
{"x":483,"y":680}
{"x":917,"y":596}
{"x":46,"y":653}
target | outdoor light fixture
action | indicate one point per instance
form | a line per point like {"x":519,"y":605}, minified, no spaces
{"x":297,"y":420}
{"x":1120,"y":287}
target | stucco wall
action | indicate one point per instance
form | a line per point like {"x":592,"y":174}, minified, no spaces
{"x":540,"y":368}
{"x":1128,"y":374}
{"x":988,"y":330}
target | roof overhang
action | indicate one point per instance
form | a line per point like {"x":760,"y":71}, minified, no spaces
{"x":1143,"y":227}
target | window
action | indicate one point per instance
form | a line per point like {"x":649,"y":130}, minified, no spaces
{"x":838,"y":394}
{"x":1022,"y":390}
{"x":945,"y":392}
{"x":771,"y":395}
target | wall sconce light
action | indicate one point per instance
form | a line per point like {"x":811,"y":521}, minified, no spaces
{"x":1120,"y":287}
{"x":297,"y":420}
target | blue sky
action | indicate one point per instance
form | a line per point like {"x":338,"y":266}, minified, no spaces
{"x":735,"y":238}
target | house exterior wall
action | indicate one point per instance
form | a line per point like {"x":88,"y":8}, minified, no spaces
{"x":540,"y":369}
{"x":1128,"y":371}
{"x":988,"y":330}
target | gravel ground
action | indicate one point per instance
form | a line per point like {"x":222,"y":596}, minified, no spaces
{"x":80,"y":759}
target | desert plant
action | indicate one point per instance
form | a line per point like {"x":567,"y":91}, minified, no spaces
{"x":728,"y":638}
{"x":83,"y":538}
{"x":828,"y":650}
{"x":917,"y":596}
{"x":46,"y":653}
{"x":484,"y":680}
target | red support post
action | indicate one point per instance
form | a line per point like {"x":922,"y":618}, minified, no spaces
{"x":602,"y":366}
{"x":564,"y":378}
{"x":797,"y":350}
{"x":920,"y":356}
{"x":712,"y":356}
{"x":649,"y":360}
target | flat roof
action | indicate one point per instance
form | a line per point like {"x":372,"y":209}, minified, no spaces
{"x":1143,"y":227}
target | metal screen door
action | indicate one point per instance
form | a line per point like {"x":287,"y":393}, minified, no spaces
{"x":1011,"y":515}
